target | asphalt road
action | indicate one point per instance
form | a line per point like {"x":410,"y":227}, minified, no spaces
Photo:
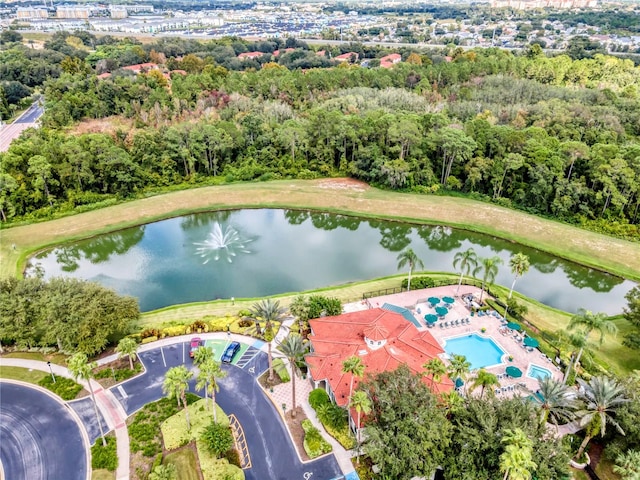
{"x":33,"y":113}
{"x":27,"y":120}
{"x":39,"y":439}
{"x":273,"y":456}
{"x":85,"y":410}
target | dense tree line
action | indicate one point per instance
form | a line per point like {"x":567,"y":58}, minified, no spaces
{"x":549,"y":135}
{"x":68,"y":314}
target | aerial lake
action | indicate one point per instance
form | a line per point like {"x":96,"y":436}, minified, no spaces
{"x":255,"y":253}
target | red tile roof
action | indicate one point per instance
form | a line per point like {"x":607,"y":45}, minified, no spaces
{"x":347,"y":56}
{"x":250,"y":55}
{"x":286,"y":50}
{"x":337,"y":338}
{"x":390,"y":60}
{"x":140,"y":67}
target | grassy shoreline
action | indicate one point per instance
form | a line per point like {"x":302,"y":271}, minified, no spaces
{"x":343,"y":196}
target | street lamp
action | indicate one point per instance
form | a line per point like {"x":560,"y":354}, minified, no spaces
{"x":53,"y":377}
{"x":228,"y":330}
{"x":284,"y":408}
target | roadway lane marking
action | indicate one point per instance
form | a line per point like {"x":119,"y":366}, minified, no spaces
{"x":240,"y":441}
{"x":122,"y":392}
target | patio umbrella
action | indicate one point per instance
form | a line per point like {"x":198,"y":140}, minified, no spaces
{"x":448,"y":300}
{"x":431,"y":318}
{"x":531,"y":342}
{"x":433,"y":300}
{"x":513,"y":372}
{"x":514,"y":326}
{"x":441,"y":311}
{"x":459,"y":382}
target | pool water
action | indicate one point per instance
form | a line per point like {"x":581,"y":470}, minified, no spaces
{"x":480,"y":351}
{"x":538,"y":372}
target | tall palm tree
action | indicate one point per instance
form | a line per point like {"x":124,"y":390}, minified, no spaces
{"x":467,"y":260}
{"x":355,"y":367}
{"x":589,"y":322}
{"x":294,"y":349}
{"x":202,"y":354}
{"x":80,"y":367}
{"x":436,"y":369}
{"x":128,"y":347}
{"x":578,"y":342}
{"x":409,"y":257}
{"x":361,"y":402}
{"x":489,"y":268}
{"x":176,"y":383}
{"x":484,"y":379}
{"x":268,"y":311}
{"x":207,"y":379}
{"x":601,"y":396}
{"x":450,"y":402}
{"x":519,"y":263}
{"x":555,"y":400}
{"x":459,"y":367}
{"x":516,"y":460}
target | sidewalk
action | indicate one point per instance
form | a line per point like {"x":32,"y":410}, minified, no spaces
{"x":108,"y":405}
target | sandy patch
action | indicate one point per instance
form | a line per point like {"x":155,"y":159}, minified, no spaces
{"x":343,"y":184}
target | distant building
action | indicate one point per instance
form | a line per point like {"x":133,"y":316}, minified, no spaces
{"x":141,"y":67}
{"x":279,"y":52}
{"x":389,"y":61}
{"x":249,"y":55}
{"x":30,"y":13}
{"x":118,"y":12}
{"x":73,"y":11}
{"x":347,"y":57}
{"x":532,"y":4}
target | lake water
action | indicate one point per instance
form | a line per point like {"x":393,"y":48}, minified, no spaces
{"x":255,"y":253}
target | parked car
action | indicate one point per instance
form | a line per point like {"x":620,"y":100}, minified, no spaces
{"x":230,"y":352}
{"x":195,"y":344}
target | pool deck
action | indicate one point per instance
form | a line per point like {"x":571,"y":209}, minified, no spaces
{"x":507,"y":340}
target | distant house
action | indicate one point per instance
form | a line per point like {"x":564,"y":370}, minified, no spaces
{"x":347,"y":57}
{"x":390,"y":60}
{"x":321,"y":53}
{"x":141,"y":68}
{"x":286,"y":50}
{"x":104,"y":75}
{"x":250,"y":55}
{"x":382,"y":339}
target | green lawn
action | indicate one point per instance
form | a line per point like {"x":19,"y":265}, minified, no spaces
{"x":102,"y":475}
{"x":57,"y":358}
{"x":186,"y":463}
{"x":23,"y":374}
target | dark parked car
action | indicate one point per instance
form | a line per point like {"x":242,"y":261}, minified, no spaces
{"x":230,"y":352}
{"x":195,"y":344}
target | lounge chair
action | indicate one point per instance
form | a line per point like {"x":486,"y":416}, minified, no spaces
{"x":498,"y":391}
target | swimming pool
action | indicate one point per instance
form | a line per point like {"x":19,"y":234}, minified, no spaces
{"x":480,"y":351}
{"x":538,"y":372}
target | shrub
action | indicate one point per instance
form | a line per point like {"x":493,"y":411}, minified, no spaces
{"x":232,"y":456}
{"x":217,"y":438}
{"x":149,"y":339}
{"x":65,"y":388}
{"x":164,"y":472}
{"x":245,"y":322}
{"x":418,"y":283}
{"x":314,"y":444}
{"x":318,"y":397}
{"x":104,"y":456}
{"x":198,"y":325}
{"x":150,"y":332}
{"x":174,"y":331}
{"x":281,"y":370}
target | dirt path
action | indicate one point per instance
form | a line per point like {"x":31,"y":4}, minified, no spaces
{"x":333,"y":195}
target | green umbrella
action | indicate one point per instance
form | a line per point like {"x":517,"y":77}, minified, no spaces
{"x":531,"y":342}
{"x":433,"y":300}
{"x":448,"y":300}
{"x":459,"y":382}
{"x":441,"y":311}
{"x":513,"y":372}
{"x":431,"y":318}
{"x":514,"y":326}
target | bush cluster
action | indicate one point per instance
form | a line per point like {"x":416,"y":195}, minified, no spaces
{"x":314,"y":444}
{"x":318,"y":397}
{"x":217,"y":438}
{"x":65,"y":388}
{"x":119,"y":374}
{"x":104,"y":456}
{"x":333,"y":418}
{"x":418,"y":283}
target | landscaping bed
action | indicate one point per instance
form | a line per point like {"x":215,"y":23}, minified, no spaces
{"x":115,"y":372}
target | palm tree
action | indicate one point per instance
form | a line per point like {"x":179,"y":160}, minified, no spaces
{"x":628,"y":465}
{"x":589,"y":322}
{"x":436,"y":369}
{"x":459,"y":367}
{"x":355,"y":367}
{"x":601,"y":396}
{"x":176,"y":383}
{"x":489,"y":269}
{"x":515,"y":461}
{"x":202,"y":354}
{"x":484,"y":379}
{"x":555,"y":400}
{"x":467,"y":260}
{"x":268,"y":311}
{"x":207,"y":379}
{"x":451,"y":402}
{"x":578,"y":342}
{"x":79,"y":366}
{"x":362,"y":404}
{"x":408,"y":257}
{"x":127,"y":347}
{"x":294,"y":349}
{"x":519,"y":264}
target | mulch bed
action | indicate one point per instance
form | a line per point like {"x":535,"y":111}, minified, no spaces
{"x":297,"y":433}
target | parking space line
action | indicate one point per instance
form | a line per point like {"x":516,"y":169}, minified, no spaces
{"x":240,"y":442}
